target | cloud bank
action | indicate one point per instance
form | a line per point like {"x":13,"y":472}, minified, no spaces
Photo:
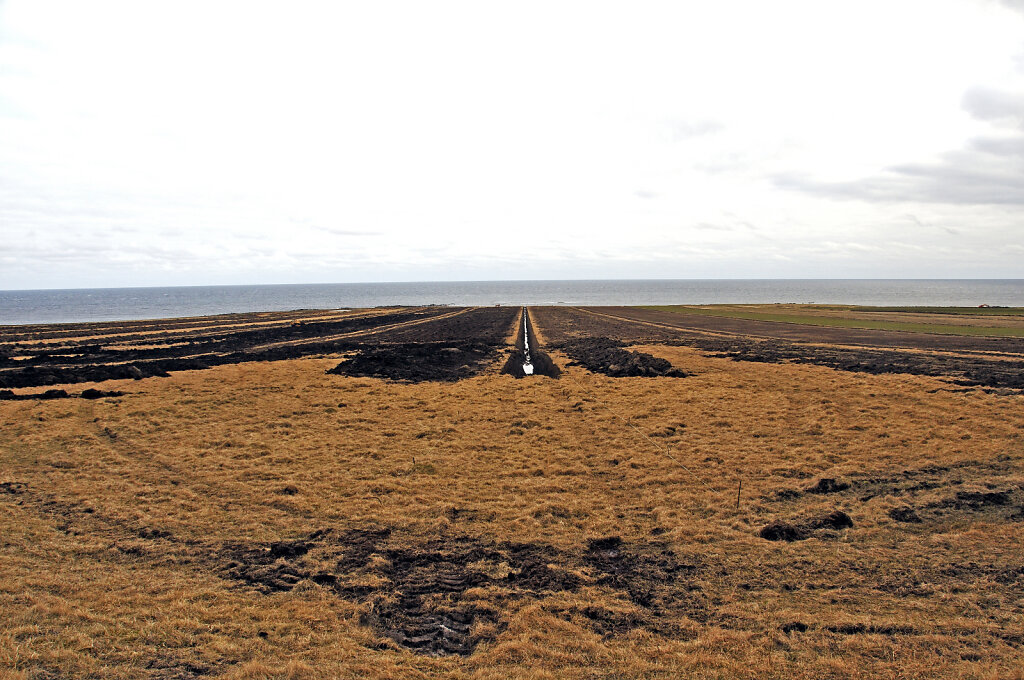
{"x":245,"y":143}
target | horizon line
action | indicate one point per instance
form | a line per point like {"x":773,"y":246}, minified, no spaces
{"x":468,"y":281}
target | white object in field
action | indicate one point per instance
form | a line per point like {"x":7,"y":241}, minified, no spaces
{"x":527,"y":366}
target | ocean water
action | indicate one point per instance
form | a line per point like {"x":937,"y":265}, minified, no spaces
{"x":112,"y":304}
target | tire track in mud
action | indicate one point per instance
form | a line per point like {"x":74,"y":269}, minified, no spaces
{"x":435,"y":595}
{"x":444,"y":595}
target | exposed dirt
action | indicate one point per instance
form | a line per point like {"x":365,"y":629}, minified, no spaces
{"x":542,"y":363}
{"x":975,"y":500}
{"x":561,"y":324}
{"x":421,"y":595}
{"x":492,"y":325}
{"x":447,"y":350}
{"x":968,"y":367}
{"x":91,"y":393}
{"x":607,"y":356}
{"x":12,"y":487}
{"x":72,"y":361}
{"x":961,"y":369}
{"x":650,"y":574}
{"x":827,"y":485}
{"x":798,"y":530}
{"x":419,"y":361}
{"x":823,"y":334}
{"x":8,"y":395}
{"x":905,"y":514}
{"x":178,"y":325}
{"x":932,"y":494}
{"x":174,"y":341}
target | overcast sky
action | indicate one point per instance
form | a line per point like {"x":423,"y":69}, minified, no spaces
{"x":146,"y":143}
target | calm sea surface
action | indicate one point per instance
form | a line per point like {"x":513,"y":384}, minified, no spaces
{"x":111,"y":304}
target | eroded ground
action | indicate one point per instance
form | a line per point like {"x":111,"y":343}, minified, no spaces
{"x":779,"y":517}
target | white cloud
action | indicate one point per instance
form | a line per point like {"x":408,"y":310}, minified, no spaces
{"x":258,"y":142}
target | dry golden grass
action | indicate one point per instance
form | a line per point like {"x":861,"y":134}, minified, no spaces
{"x":206,"y":456}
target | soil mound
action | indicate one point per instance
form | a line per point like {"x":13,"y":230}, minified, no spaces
{"x":607,"y":356}
{"x":905,"y":514}
{"x":782,"y":531}
{"x":98,"y":394}
{"x":418,"y":362}
{"x":827,"y":485}
{"x":7,"y":395}
{"x":800,"y":530}
{"x":837,"y":519}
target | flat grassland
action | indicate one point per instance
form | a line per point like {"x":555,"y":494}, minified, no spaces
{"x":788,"y":505}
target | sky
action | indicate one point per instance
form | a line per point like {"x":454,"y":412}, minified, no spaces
{"x":201,"y":143}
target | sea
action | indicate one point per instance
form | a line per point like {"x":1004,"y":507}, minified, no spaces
{"x":116,"y":304}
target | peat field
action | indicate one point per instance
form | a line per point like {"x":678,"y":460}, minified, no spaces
{"x":435,"y":343}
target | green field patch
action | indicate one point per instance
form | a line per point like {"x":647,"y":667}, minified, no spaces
{"x":959,"y":311}
{"x":809,"y":319}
